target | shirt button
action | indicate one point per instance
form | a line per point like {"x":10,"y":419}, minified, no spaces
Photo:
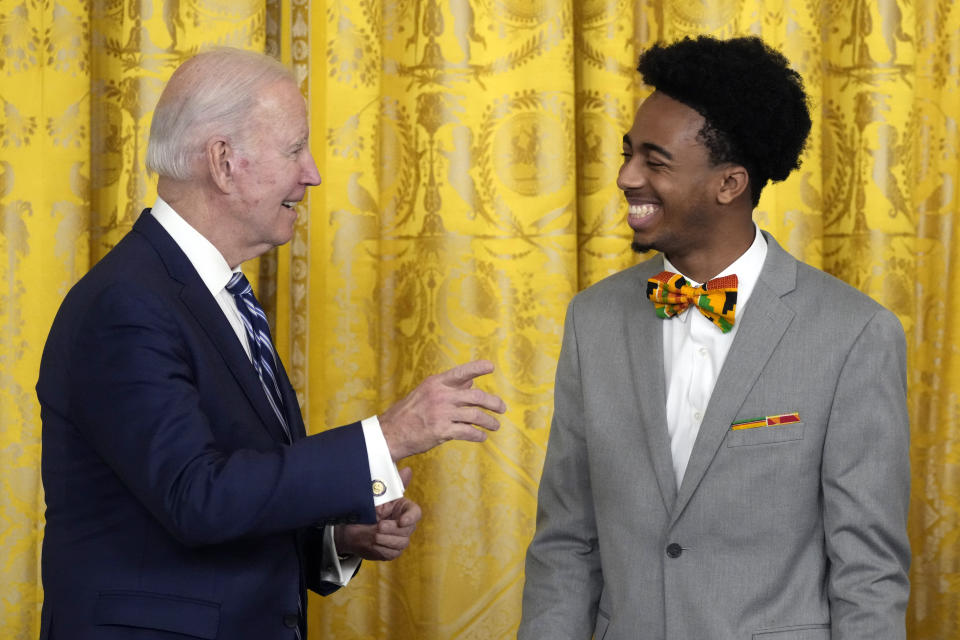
{"x":697,"y":416}
{"x":290,"y":620}
{"x":703,"y":352}
{"x":674,"y":550}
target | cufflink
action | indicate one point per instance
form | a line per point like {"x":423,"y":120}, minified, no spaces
{"x":379,"y":488}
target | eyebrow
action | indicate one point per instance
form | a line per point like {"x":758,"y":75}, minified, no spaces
{"x":649,"y":146}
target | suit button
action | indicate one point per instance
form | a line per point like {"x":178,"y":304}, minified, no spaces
{"x":674,"y":550}
{"x":291,"y":620}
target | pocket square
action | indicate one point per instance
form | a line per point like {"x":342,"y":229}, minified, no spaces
{"x":769,"y":421}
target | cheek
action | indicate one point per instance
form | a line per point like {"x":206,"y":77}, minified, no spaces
{"x":266,"y":178}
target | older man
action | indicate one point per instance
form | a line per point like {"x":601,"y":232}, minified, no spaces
{"x":184,"y":498}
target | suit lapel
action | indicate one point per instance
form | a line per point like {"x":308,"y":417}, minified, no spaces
{"x":763,"y":324}
{"x":209,"y":316}
{"x":645,"y":337}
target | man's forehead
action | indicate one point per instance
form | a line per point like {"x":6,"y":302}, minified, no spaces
{"x":284,"y":109}
{"x":662,"y":118}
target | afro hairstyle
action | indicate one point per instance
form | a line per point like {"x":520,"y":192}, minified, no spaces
{"x":753,"y":103}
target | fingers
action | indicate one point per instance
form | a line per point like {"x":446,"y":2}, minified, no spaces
{"x":463,"y":375}
{"x":387,"y":539}
{"x":385,"y":510}
{"x":475,"y":416}
{"x":392,"y":536}
{"x":387,"y":530}
{"x":479,"y":398}
{"x":383,"y":541}
{"x":388,"y":547}
{"x":403,"y":512}
{"x":399,"y":539}
{"x":441,"y":408}
{"x":406,"y":514}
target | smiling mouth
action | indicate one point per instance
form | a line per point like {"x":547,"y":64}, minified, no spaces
{"x":289,"y":204}
{"x":640,"y":211}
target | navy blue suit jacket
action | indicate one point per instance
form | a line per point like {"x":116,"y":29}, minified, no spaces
{"x":174,"y":507}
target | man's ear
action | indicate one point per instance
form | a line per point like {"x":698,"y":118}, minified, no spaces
{"x":734,"y":181}
{"x":220,"y":158}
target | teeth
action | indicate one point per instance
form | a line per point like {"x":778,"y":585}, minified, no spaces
{"x":289,"y":204}
{"x":642,"y":210}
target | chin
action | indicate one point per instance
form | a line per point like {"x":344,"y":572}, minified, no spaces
{"x":288,"y":227}
{"x":644,"y":243}
{"x":283,"y":236}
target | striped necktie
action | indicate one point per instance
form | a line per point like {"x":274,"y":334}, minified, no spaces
{"x":264,"y":361}
{"x":261,"y":346}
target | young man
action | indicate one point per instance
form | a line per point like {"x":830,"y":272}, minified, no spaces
{"x":184,"y":498}
{"x":728,"y":461}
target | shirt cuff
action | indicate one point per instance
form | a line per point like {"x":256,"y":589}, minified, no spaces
{"x":334,"y":569}
{"x":385,"y":479}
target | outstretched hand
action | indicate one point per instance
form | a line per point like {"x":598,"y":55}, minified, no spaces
{"x":443,"y":407}
{"x":386,"y":540}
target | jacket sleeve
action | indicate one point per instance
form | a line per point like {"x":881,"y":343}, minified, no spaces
{"x":134,"y":396}
{"x":563,"y":574}
{"x":866,"y":487}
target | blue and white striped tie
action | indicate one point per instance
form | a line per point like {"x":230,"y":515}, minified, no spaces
{"x":264,"y":360}
{"x":261,"y":346}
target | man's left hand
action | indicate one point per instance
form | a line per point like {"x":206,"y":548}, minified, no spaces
{"x":386,"y":540}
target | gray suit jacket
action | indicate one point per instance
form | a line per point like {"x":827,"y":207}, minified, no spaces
{"x":784,"y":532}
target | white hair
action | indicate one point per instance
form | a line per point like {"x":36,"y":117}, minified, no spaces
{"x":209,"y":94}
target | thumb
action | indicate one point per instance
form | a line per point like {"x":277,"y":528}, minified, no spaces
{"x":405,"y":475}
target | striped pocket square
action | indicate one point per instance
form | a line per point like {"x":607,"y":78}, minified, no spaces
{"x":769,"y":421}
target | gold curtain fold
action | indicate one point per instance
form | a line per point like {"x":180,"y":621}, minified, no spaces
{"x":468,"y":150}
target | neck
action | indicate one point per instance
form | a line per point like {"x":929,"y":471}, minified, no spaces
{"x":193,"y":203}
{"x":705,"y":263}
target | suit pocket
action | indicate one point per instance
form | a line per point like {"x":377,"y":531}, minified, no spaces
{"x":765,"y":435}
{"x":603,"y":621}
{"x":798,"y":632}
{"x":145,"y":610}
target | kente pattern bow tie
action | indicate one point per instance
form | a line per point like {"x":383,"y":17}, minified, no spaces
{"x":716,"y":300}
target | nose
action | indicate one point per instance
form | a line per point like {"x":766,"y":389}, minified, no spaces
{"x":631,"y":175}
{"x":310,"y":176}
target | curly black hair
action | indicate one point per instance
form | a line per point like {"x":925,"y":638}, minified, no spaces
{"x":753,"y":102}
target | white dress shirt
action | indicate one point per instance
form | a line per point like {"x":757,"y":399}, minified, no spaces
{"x":213,"y":269}
{"x":694,"y":350}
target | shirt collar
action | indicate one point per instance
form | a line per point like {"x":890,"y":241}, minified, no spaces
{"x":205,"y":258}
{"x":747,"y":269}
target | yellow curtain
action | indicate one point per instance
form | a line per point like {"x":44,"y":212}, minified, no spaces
{"x":468,"y":150}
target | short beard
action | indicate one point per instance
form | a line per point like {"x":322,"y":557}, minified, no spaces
{"x":641,"y":248}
